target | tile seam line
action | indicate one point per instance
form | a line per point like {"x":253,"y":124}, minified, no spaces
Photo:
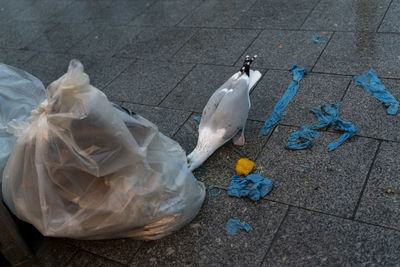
{"x":383,"y":17}
{"x":244,"y":50}
{"x":183,"y":45}
{"x":180,"y":127}
{"x":59,"y":11}
{"x":266,"y":142}
{"x":69,"y":260}
{"x":366,"y":181}
{"x":232,"y":26}
{"x":117,"y":76}
{"x":141,"y":13}
{"x":51,"y":25}
{"x":191,"y":12}
{"x":142,"y":242}
{"x":309,"y":13}
{"x":176,"y":85}
{"x":81,"y":39}
{"x":323,"y":50}
{"x":97,"y":255}
{"x":334,"y":215}
{"x":275,"y":236}
{"x":329,"y":130}
{"x":277,"y":29}
{"x":346,"y":90}
{"x":37,"y":52}
{"x":216,"y":28}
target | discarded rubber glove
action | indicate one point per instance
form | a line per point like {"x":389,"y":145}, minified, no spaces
{"x":198,"y":119}
{"x":291,"y":91}
{"x":327,"y":115}
{"x":302,"y":138}
{"x":253,"y":186}
{"x":372,"y":85}
{"x":233,"y":225}
{"x":316,"y":40}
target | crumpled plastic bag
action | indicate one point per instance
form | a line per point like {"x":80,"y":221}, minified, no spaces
{"x":20,"y":92}
{"x":82,"y":169}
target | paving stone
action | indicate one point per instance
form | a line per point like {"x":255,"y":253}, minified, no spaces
{"x":276,"y":14}
{"x":61,"y":38}
{"x":312,"y":239}
{"x":15,"y":58}
{"x":156,"y":43}
{"x":369,"y":115}
{"x":344,"y":15}
{"x":9,"y":10}
{"x":166,"y":13}
{"x":54,"y":252}
{"x":147,"y":82}
{"x":205,"y":242}
{"x":216,"y":46}
{"x":103,"y":70}
{"x":377,"y":206}
{"x":332,"y":184}
{"x":168,"y":120}
{"x":118,"y":250}
{"x":19,"y":35}
{"x":391,"y":22}
{"x":280,"y":49}
{"x":102,"y":12}
{"x":314,"y":90}
{"x":48,"y":67}
{"x":106,"y":40}
{"x":215,"y":13}
{"x":79,"y":12}
{"x":86,"y":259}
{"x":41,"y":11}
{"x":354,"y":53}
{"x":196,"y":88}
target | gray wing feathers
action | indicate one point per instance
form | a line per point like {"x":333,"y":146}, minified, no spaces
{"x":232,"y":110}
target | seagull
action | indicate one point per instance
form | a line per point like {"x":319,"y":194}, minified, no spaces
{"x":225,"y":114}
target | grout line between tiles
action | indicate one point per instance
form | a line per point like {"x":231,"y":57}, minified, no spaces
{"x":366,"y":181}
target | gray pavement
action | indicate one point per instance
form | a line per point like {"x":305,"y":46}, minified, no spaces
{"x":163,"y":59}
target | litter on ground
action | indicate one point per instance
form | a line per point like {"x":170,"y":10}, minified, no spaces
{"x":233,"y":225}
{"x":327,"y":115}
{"x":317,"y":41}
{"x":253,"y":186}
{"x":245,"y":166}
{"x":291,"y":91}
{"x":372,"y":85}
{"x":214,"y":188}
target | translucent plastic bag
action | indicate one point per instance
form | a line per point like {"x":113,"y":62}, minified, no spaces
{"x":82,"y":169}
{"x":20,"y":92}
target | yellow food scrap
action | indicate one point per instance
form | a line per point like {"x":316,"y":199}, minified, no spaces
{"x":244,"y":167}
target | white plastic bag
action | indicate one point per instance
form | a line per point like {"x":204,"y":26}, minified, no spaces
{"x":20,"y":92}
{"x":81,"y":169}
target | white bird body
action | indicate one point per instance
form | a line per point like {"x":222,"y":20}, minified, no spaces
{"x":224,"y":116}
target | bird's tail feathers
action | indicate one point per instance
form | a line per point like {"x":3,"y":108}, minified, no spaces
{"x":246,"y":64}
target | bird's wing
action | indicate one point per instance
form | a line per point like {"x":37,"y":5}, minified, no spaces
{"x":255,"y":75}
{"x":233,"y":109}
{"x":215,"y":99}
